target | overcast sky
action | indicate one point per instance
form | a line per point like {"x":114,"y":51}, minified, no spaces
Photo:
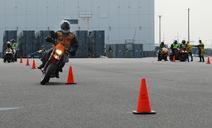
{"x":174,"y":20}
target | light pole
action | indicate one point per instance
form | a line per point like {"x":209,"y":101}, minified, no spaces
{"x":160,"y":29}
{"x":188,"y":24}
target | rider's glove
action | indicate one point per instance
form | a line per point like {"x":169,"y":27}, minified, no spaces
{"x":48,"y":39}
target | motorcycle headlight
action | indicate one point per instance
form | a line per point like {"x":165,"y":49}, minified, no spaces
{"x":56,"y":57}
{"x":58,"y":52}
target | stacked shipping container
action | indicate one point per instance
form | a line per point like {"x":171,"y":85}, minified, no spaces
{"x":7,"y":36}
{"x":124,"y":50}
{"x":91,"y":44}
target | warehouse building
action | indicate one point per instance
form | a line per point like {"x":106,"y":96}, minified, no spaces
{"x":121,"y":20}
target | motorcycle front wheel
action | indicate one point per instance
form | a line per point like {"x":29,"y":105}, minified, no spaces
{"x":50,"y":69}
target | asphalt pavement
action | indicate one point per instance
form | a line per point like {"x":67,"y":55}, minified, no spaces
{"x":106,"y":94}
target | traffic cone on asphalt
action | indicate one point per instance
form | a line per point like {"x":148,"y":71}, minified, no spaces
{"x":21,"y":61}
{"x":209,"y":61}
{"x":143,"y":106}
{"x":33,"y":64}
{"x":70,"y":79}
{"x":27,"y":61}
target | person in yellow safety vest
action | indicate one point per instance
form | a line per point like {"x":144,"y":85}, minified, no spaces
{"x":189,"y":49}
{"x":174,"y":47}
{"x":201,"y":49}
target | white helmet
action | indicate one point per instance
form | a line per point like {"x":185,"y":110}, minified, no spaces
{"x":8,"y":42}
{"x":65,"y":26}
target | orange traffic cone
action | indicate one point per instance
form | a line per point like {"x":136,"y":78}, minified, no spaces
{"x":33,"y":64}
{"x":209,"y":61}
{"x":70,"y":79}
{"x":21,"y":60}
{"x":27,"y":61}
{"x":144,"y":106}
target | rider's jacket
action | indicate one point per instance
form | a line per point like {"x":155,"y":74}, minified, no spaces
{"x":183,"y":46}
{"x":66,"y":39}
{"x":201,"y":49}
{"x":189,"y":47}
{"x":174,"y":46}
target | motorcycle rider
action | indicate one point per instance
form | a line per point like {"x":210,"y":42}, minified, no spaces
{"x":162,"y":46}
{"x":174,"y":47}
{"x":183,"y":45}
{"x":13,"y":45}
{"x":8,"y":52}
{"x":69,"y":40}
{"x":9,"y":46}
{"x":189,"y":49}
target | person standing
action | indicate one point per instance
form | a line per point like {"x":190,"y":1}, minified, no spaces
{"x":201,"y":49}
{"x":189,"y":49}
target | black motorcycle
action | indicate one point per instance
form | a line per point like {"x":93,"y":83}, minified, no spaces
{"x":179,"y":54}
{"x":183,"y":55}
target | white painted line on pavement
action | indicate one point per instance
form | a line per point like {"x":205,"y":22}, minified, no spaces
{"x":6,"y":109}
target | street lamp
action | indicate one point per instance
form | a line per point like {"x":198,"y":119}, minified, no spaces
{"x":160,"y":29}
{"x":188,"y":24}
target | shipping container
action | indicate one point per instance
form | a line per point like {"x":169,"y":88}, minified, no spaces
{"x":120,"y":51}
{"x":120,"y":19}
{"x":128,"y":50}
{"x":7,"y":36}
{"x":96,"y":47}
{"x":138,"y":49}
{"x":115,"y":50}
{"x":129,"y":53}
{"x":111,"y":50}
{"x":26,"y":43}
{"x":40,"y":38}
{"x":149,"y":54}
{"x":82,"y":37}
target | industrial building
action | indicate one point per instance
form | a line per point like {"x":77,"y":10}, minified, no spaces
{"x":122,"y":20}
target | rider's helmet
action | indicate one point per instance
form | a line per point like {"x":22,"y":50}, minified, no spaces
{"x":183,"y":42}
{"x":175,"y":42}
{"x":162,"y":43}
{"x":65,"y":26}
{"x":8,"y":44}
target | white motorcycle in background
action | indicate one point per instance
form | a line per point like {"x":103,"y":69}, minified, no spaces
{"x":8,"y":55}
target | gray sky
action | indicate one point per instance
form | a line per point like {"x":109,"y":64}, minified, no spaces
{"x":174,"y":20}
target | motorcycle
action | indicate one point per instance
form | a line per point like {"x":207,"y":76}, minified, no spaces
{"x":180,"y":54}
{"x":174,"y":53}
{"x":183,"y":55}
{"x":8,"y":56}
{"x":51,"y":66}
{"x":162,"y":55}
